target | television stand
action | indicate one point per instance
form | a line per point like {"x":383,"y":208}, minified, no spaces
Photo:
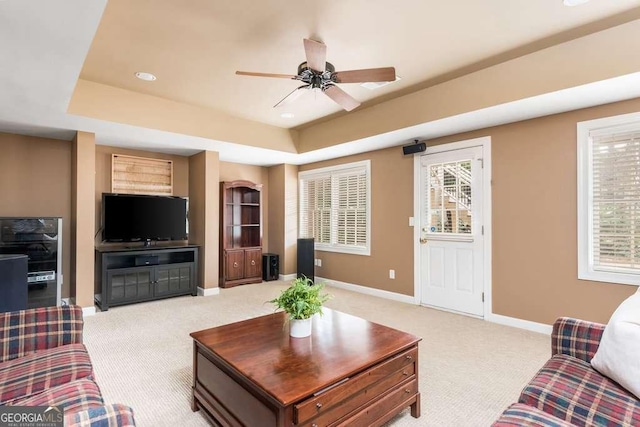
{"x":132,"y":275}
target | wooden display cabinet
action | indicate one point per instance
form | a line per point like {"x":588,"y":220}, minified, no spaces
{"x":240,"y":233}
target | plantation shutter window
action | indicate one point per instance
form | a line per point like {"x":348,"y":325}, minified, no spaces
{"x":611,"y":196}
{"x":335,"y":207}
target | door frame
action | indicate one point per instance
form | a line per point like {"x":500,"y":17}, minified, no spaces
{"x":485,"y":143}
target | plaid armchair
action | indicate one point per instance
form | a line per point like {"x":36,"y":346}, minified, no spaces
{"x":44,"y":363}
{"x":567,"y":391}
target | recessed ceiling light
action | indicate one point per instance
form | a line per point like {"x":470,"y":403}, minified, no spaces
{"x":377,"y":85}
{"x":574,"y":2}
{"x":147,"y":77}
{"x":287,"y":115}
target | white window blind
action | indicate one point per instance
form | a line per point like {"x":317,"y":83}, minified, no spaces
{"x":609,"y":200}
{"x":335,"y":207}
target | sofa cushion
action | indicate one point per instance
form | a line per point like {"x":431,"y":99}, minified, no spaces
{"x":101,"y":416}
{"x":572,"y":390}
{"x":36,"y":372}
{"x":74,"y":396}
{"x":618,"y":356}
{"x":521,"y":415}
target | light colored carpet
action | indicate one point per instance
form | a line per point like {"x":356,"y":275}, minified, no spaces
{"x":470,"y":370}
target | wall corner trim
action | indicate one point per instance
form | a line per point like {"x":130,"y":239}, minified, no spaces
{"x":287,"y":277}
{"x":207,"y":292}
{"x":88,"y":311}
{"x":408,"y":299}
{"x":520,"y":323}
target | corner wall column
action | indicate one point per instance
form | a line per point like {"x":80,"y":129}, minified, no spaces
{"x":83,"y":173}
{"x":283,"y":215}
{"x":204,"y":217}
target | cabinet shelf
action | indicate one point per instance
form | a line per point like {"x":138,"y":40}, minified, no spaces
{"x":241,"y":233}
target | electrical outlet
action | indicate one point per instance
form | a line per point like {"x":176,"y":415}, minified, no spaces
{"x":392,"y":274}
{"x":319,"y":262}
{"x":315,"y":262}
{"x":411,"y":221}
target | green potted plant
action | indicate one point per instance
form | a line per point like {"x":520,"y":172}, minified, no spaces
{"x":301,"y":300}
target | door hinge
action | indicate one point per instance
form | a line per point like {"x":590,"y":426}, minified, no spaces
{"x":481,"y":160}
{"x":482,"y":230}
{"x":483,"y":297}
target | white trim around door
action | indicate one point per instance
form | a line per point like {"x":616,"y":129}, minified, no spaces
{"x":485,"y":143}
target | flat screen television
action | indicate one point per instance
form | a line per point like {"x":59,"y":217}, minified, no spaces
{"x":134,"y":217}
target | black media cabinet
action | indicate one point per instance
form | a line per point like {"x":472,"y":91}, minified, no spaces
{"x":131,"y":275}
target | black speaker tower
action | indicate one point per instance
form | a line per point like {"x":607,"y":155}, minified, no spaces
{"x":13,"y":274}
{"x":305,"y":258}
{"x":270,"y":267}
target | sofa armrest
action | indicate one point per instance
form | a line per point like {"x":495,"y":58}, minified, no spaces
{"x":577,"y":338}
{"x":26,"y":331}
{"x":115,"y":415}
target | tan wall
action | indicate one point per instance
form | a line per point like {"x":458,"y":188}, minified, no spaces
{"x":276,"y":213}
{"x":391,"y":236}
{"x":103,"y":174}
{"x":283,"y":215}
{"x":83,"y":217}
{"x":204,"y":214}
{"x":35,"y":180}
{"x":260,"y":175}
{"x":535,"y":260}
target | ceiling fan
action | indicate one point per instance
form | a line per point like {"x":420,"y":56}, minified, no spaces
{"x":317,"y":73}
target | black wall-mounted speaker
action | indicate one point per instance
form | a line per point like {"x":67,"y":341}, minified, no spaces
{"x":414,"y":148}
{"x":270,"y":267}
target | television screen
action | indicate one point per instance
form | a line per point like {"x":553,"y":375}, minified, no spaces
{"x":131,"y":217}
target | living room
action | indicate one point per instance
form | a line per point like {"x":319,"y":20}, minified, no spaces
{"x":63,"y":116}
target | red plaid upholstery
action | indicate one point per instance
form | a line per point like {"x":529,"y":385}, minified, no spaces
{"x":25,"y":331}
{"x":576,"y":338}
{"x":74,"y":396}
{"x":520,"y":415}
{"x":36,"y":372}
{"x":572,"y":390}
{"x":101,"y":416}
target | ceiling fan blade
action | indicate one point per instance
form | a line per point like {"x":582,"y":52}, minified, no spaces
{"x":341,"y":97}
{"x":316,"y":55}
{"x":250,"y":73}
{"x":387,"y":74}
{"x":292,"y":96}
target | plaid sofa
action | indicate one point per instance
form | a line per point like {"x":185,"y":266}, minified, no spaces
{"x":44,"y":363}
{"x":567,"y":391}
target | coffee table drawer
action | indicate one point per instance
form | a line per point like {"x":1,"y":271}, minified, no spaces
{"x":349,"y":395}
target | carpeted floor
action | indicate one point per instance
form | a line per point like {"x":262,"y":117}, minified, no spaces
{"x":470,"y":370}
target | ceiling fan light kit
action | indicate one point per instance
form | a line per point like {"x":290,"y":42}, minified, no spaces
{"x":317,"y":73}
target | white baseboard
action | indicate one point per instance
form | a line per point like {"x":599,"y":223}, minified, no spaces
{"x":368,"y":291}
{"x":520,"y":323}
{"x":88,"y":311}
{"x":287,"y":277}
{"x":207,"y":292}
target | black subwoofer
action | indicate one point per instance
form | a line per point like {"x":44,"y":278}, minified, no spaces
{"x":13,"y":282}
{"x":270,"y":267}
{"x":305,"y":258}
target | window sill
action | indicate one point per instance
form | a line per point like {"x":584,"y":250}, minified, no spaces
{"x":344,"y":250}
{"x":610,"y":277}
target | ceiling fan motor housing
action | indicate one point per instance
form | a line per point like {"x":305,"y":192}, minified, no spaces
{"x":315,"y":79}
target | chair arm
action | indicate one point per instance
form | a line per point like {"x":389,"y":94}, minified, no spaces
{"x":577,"y":338}
{"x":26,"y":331}
{"x":115,"y":415}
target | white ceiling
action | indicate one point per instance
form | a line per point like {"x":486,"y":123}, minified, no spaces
{"x":44,"y":45}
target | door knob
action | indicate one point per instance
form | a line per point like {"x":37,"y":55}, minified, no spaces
{"x":423,"y":240}
{"x":235,"y":264}
{"x":253,"y":262}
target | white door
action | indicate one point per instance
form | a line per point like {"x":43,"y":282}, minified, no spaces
{"x":451,"y":230}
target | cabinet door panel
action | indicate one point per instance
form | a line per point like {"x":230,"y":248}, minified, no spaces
{"x":234,"y":265}
{"x":172,"y":279}
{"x":129,"y":284}
{"x":253,"y":263}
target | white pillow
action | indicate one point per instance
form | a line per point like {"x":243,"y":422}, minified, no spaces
{"x":618,"y":356}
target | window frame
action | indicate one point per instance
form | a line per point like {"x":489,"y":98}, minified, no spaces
{"x":586,"y":269}
{"x":333,"y":172}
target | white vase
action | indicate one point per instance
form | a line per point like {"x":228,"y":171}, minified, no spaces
{"x":300,"y":328}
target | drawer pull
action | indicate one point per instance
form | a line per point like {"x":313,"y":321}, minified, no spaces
{"x":406,"y":390}
{"x":235,"y":264}
{"x":253,"y":262}
{"x":318,"y":405}
{"x":314,"y":425}
{"x":405,"y":373}
{"x":409,"y":357}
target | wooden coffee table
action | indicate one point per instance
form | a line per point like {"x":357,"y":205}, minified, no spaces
{"x":349,"y":372}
